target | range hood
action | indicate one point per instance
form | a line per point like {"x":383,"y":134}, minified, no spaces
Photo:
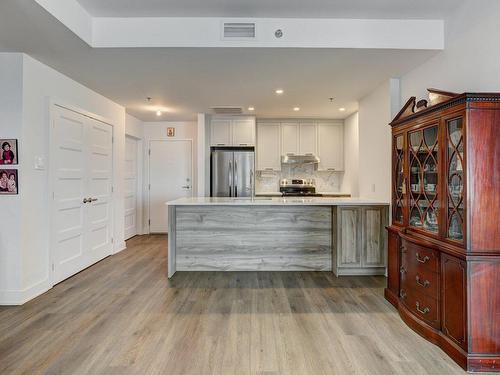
{"x":299,"y":159}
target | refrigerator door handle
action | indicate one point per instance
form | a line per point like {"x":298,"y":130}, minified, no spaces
{"x":235,"y":178}
{"x":230,"y":176}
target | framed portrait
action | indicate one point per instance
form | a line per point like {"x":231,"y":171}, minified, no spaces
{"x":8,"y":152}
{"x":170,"y":132}
{"x":8,"y":182}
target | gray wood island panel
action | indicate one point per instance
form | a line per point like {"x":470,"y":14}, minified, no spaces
{"x":250,"y":238}
{"x":343,"y":235}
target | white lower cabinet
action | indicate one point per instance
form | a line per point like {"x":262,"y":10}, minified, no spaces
{"x":268,"y":146}
{"x":359,"y":240}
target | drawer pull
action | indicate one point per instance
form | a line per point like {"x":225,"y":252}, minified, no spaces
{"x":402,"y":270}
{"x":402,"y":294}
{"x":425,"y":284}
{"x":425,"y":259}
{"x":424,"y":311}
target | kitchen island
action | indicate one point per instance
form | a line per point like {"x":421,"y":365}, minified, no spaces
{"x":343,"y":235}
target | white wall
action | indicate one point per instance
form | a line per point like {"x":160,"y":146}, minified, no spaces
{"x":40,"y":84}
{"x":11,"y":73}
{"x":350,"y":180}
{"x":375,"y":144}
{"x":134,"y":127}
{"x":471,"y":59}
{"x":158,"y":131}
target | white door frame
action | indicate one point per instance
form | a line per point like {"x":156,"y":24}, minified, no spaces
{"x":148,"y":182}
{"x":139,"y":182}
{"x":52,"y":103}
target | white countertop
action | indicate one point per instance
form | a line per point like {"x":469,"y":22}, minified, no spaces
{"x":278,"y":194}
{"x":274,"y":201}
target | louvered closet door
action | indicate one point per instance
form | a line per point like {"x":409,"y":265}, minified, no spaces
{"x":82,"y":169}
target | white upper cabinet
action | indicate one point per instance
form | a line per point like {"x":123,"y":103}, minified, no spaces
{"x":220,"y":133}
{"x":289,"y":138}
{"x":308,"y":138}
{"x":232,"y":132}
{"x":331,"y":147}
{"x":268,"y":146}
{"x":244,"y":132}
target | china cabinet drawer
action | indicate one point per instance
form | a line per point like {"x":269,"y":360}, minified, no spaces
{"x":417,"y":257}
{"x":421,"y":305}
{"x":421,"y":280}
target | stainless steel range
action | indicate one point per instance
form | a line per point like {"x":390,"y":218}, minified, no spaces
{"x":298,"y":187}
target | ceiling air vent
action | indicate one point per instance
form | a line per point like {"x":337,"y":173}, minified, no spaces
{"x":227,"y":110}
{"x":239,"y":30}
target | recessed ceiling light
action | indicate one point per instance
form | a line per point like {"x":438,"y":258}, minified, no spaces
{"x":158,"y":113}
{"x":279,"y":91}
{"x":251,"y":108}
{"x":342,"y":109}
{"x":296,"y":109}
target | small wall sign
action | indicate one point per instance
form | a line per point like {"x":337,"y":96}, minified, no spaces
{"x":170,"y":132}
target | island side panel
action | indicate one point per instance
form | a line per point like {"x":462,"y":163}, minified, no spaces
{"x":171,"y":251}
{"x":253,"y":238}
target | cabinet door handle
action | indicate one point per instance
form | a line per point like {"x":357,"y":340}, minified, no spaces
{"x":425,"y":259}
{"x":85,"y":200}
{"x":425,"y":284}
{"x":402,"y":270}
{"x":423,"y":311}
{"x":402,"y":294}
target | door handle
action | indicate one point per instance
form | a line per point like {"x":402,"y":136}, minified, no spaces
{"x":424,"y":311}
{"x":422,"y":260}
{"x":90,"y":200}
{"x":85,"y":200}
{"x":235,"y":178}
{"x":230,"y":177}
{"x":425,"y":284}
{"x":186,"y":187}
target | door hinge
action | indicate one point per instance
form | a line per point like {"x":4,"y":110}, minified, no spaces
{"x":53,"y":267}
{"x":149,"y":152}
{"x":112,"y":240}
{"x":149,"y":187}
{"x":112,"y":189}
{"x":149,"y":222}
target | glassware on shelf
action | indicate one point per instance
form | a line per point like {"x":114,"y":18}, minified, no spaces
{"x":455,"y":155}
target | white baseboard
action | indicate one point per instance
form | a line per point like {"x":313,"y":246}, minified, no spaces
{"x":19,"y":297}
{"x":120,"y":246}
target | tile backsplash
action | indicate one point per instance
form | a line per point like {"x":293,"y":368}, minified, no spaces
{"x":326,"y":181}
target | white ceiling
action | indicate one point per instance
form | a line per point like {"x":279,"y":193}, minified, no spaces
{"x":271,"y":8}
{"x":191,"y":80}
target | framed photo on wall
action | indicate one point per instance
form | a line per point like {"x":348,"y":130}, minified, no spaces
{"x":8,"y":152}
{"x":8,"y":182}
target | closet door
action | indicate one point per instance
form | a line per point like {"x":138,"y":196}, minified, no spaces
{"x":99,"y":188}
{"x":69,"y":158}
{"x":81,"y":207}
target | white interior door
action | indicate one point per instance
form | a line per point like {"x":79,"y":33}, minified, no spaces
{"x":130,"y":187}
{"x":100,"y":189}
{"x":82,"y":171}
{"x":170,"y":177}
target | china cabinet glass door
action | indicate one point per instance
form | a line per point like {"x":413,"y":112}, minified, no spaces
{"x":455,"y":179}
{"x":423,"y":150}
{"x":399,"y":186}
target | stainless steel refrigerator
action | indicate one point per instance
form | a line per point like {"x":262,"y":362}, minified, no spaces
{"x":232,"y":173}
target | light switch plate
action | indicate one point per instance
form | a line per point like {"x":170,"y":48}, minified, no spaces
{"x":39,"y":163}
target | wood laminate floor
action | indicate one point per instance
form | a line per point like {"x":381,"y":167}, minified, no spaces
{"x":123,"y":316}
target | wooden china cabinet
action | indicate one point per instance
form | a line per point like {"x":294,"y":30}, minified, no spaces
{"x":444,"y":238}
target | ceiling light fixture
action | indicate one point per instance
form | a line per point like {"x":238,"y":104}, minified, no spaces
{"x":279,"y":91}
{"x":158,"y":113}
{"x":296,"y":109}
{"x":342,"y":109}
{"x":251,"y":108}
